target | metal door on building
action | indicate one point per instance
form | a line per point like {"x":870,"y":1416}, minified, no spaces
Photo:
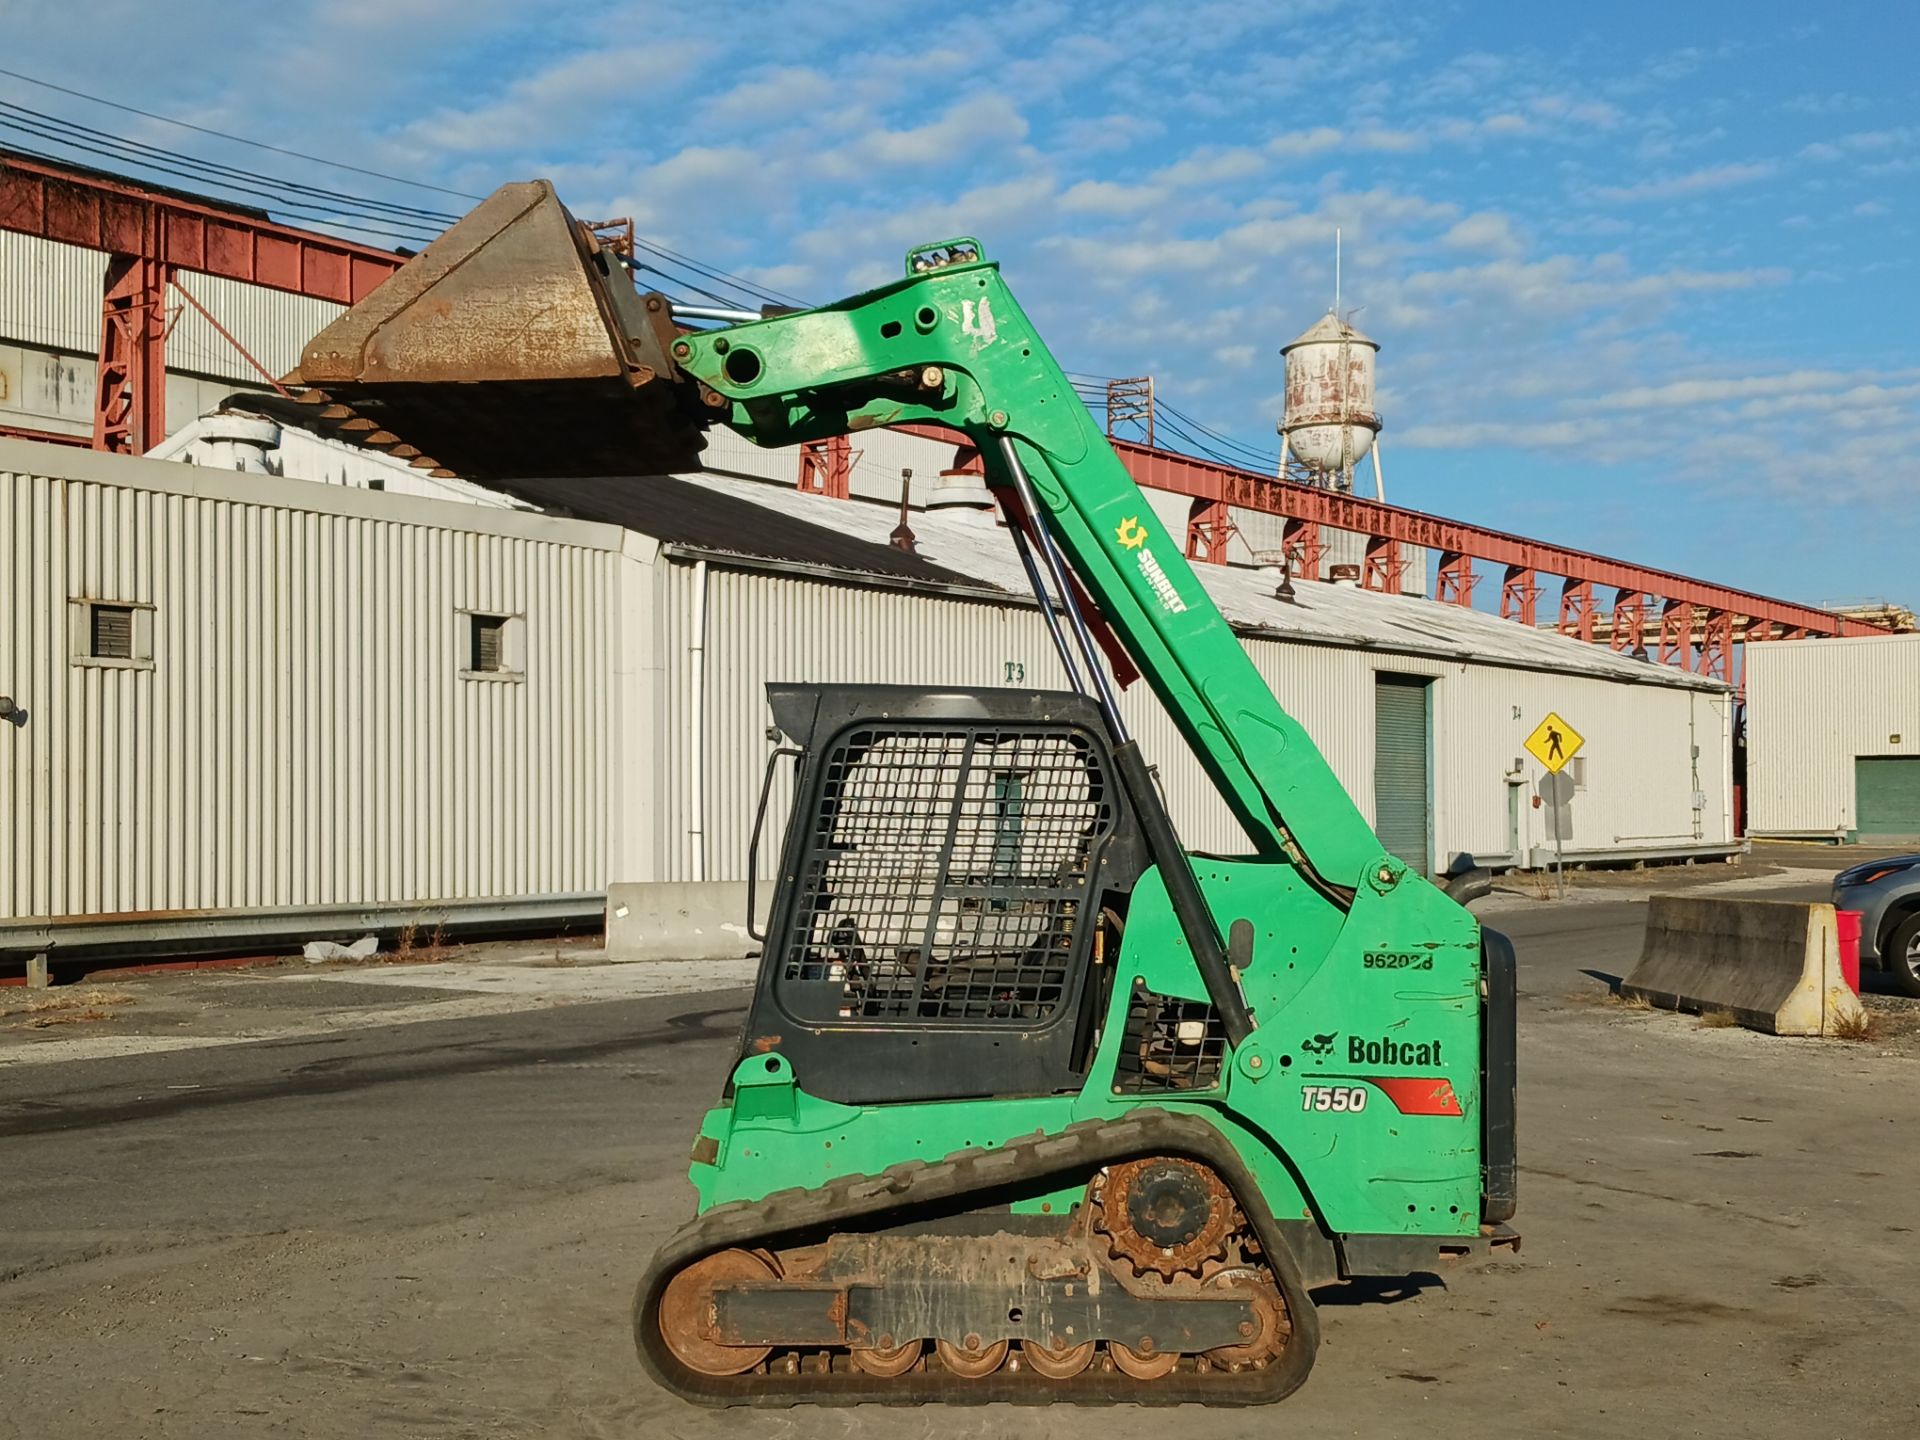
{"x":1402,"y":769}
{"x":1886,"y":798}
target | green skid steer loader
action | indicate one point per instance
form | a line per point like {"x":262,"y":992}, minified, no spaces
{"x":1031,"y":1104}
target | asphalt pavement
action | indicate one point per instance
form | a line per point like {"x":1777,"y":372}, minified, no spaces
{"x":433,"y":1228}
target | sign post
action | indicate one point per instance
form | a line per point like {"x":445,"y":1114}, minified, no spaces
{"x":1553,"y":743}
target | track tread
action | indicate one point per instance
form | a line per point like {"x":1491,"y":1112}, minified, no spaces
{"x":1085,"y":1145}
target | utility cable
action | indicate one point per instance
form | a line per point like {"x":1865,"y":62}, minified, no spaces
{"x":236,"y":139}
{"x":219,"y":173}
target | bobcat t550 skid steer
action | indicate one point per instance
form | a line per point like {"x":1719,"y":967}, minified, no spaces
{"x":1031,"y":1104}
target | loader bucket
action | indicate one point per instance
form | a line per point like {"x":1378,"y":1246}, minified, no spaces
{"x":513,"y":345}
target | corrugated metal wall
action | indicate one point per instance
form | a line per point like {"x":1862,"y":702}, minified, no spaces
{"x":50,"y":293}
{"x":1812,"y":707}
{"x":303,"y":734}
{"x":1640,"y":773}
{"x":273,"y":325}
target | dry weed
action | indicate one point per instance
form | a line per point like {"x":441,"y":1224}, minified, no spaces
{"x":409,"y":948}
{"x":1859,"y":1027}
{"x":66,"y":1007}
{"x":1718,"y":1020}
{"x":92,"y":998}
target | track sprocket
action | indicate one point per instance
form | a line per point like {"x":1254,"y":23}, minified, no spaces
{"x":1165,"y":1216}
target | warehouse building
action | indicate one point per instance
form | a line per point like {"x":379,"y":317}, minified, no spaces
{"x":245,"y":704}
{"x":1833,"y":739}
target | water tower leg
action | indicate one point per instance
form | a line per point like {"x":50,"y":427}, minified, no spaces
{"x":1379,"y":476}
{"x":1283,"y":454}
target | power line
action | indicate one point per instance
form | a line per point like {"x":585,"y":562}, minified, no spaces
{"x":236,"y":139}
{"x":218,"y":173}
{"x":126,"y":154}
{"x":295,"y":195}
{"x":638,"y":264}
{"x":723,"y":277}
{"x":1182,"y":427}
{"x":386,"y":231}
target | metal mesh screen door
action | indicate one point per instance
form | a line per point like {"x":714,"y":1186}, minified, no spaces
{"x":945,"y":872}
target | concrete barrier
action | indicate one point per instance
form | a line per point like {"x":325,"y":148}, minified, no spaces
{"x":680,"y":920}
{"x":1774,"y":965}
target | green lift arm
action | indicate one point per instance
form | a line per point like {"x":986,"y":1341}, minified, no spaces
{"x":949,"y":345}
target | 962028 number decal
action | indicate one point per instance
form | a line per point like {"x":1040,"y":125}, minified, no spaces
{"x":1349,"y":1098}
{"x":1395,"y":960}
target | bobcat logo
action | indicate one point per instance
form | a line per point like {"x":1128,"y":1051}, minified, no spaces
{"x":1318,"y":1044}
{"x":1131,"y":534}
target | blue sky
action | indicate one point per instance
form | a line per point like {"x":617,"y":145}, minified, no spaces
{"x":1642,"y":274}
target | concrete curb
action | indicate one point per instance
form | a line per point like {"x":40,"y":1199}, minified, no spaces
{"x":679,"y":920}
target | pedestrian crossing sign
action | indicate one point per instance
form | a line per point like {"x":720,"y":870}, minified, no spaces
{"x":1554,"y":742}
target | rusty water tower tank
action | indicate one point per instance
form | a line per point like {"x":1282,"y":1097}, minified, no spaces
{"x":1330,"y":421}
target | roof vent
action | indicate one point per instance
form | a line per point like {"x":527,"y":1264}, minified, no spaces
{"x":902,"y":537}
{"x":1348,"y":575}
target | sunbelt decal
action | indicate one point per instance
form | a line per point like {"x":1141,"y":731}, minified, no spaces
{"x":1132,"y":535}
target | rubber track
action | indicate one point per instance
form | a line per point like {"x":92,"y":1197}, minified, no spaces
{"x":900,"y":1189}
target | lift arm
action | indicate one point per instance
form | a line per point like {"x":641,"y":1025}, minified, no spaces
{"x":951,"y":346}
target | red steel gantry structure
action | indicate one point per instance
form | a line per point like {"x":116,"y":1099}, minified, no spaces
{"x":151,"y":232}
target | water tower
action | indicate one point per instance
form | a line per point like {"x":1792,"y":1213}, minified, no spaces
{"x":1330,"y":421}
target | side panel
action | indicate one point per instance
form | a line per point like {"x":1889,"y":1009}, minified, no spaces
{"x":1384,"y":1007}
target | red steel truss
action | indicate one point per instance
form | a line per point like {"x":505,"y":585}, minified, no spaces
{"x":149,"y":233}
{"x":1699,"y":623}
{"x":1696,"y":624}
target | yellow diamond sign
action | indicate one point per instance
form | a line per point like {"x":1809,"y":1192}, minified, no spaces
{"x":1554,"y":742}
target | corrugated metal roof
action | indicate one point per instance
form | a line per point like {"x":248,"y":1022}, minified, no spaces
{"x":699,"y":512}
{"x":972,"y":545}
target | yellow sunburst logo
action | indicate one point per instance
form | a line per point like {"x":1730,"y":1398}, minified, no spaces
{"x":1131,"y":534}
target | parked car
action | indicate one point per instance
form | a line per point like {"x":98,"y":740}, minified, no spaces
{"x":1887,"y":895}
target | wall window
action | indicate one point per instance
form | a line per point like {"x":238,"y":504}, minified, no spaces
{"x":112,"y":633}
{"x":493,"y":646}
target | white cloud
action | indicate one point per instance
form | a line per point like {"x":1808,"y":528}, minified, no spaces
{"x":1577,"y":110}
{"x":1107,"y":197}
{"x":1800,"y":384}
{"x":1096,"y":134}
{"x":1484,"y":230}
{"x":967,"y":126}
{"x":778,"y":95}
{"x":1503,"y":434}
{"x":1211,"y":166}
{"x":551,"y":105}
{"x":1826,"y":102}
{"x":1694,"y":182}
{"x":1297,"y":144}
